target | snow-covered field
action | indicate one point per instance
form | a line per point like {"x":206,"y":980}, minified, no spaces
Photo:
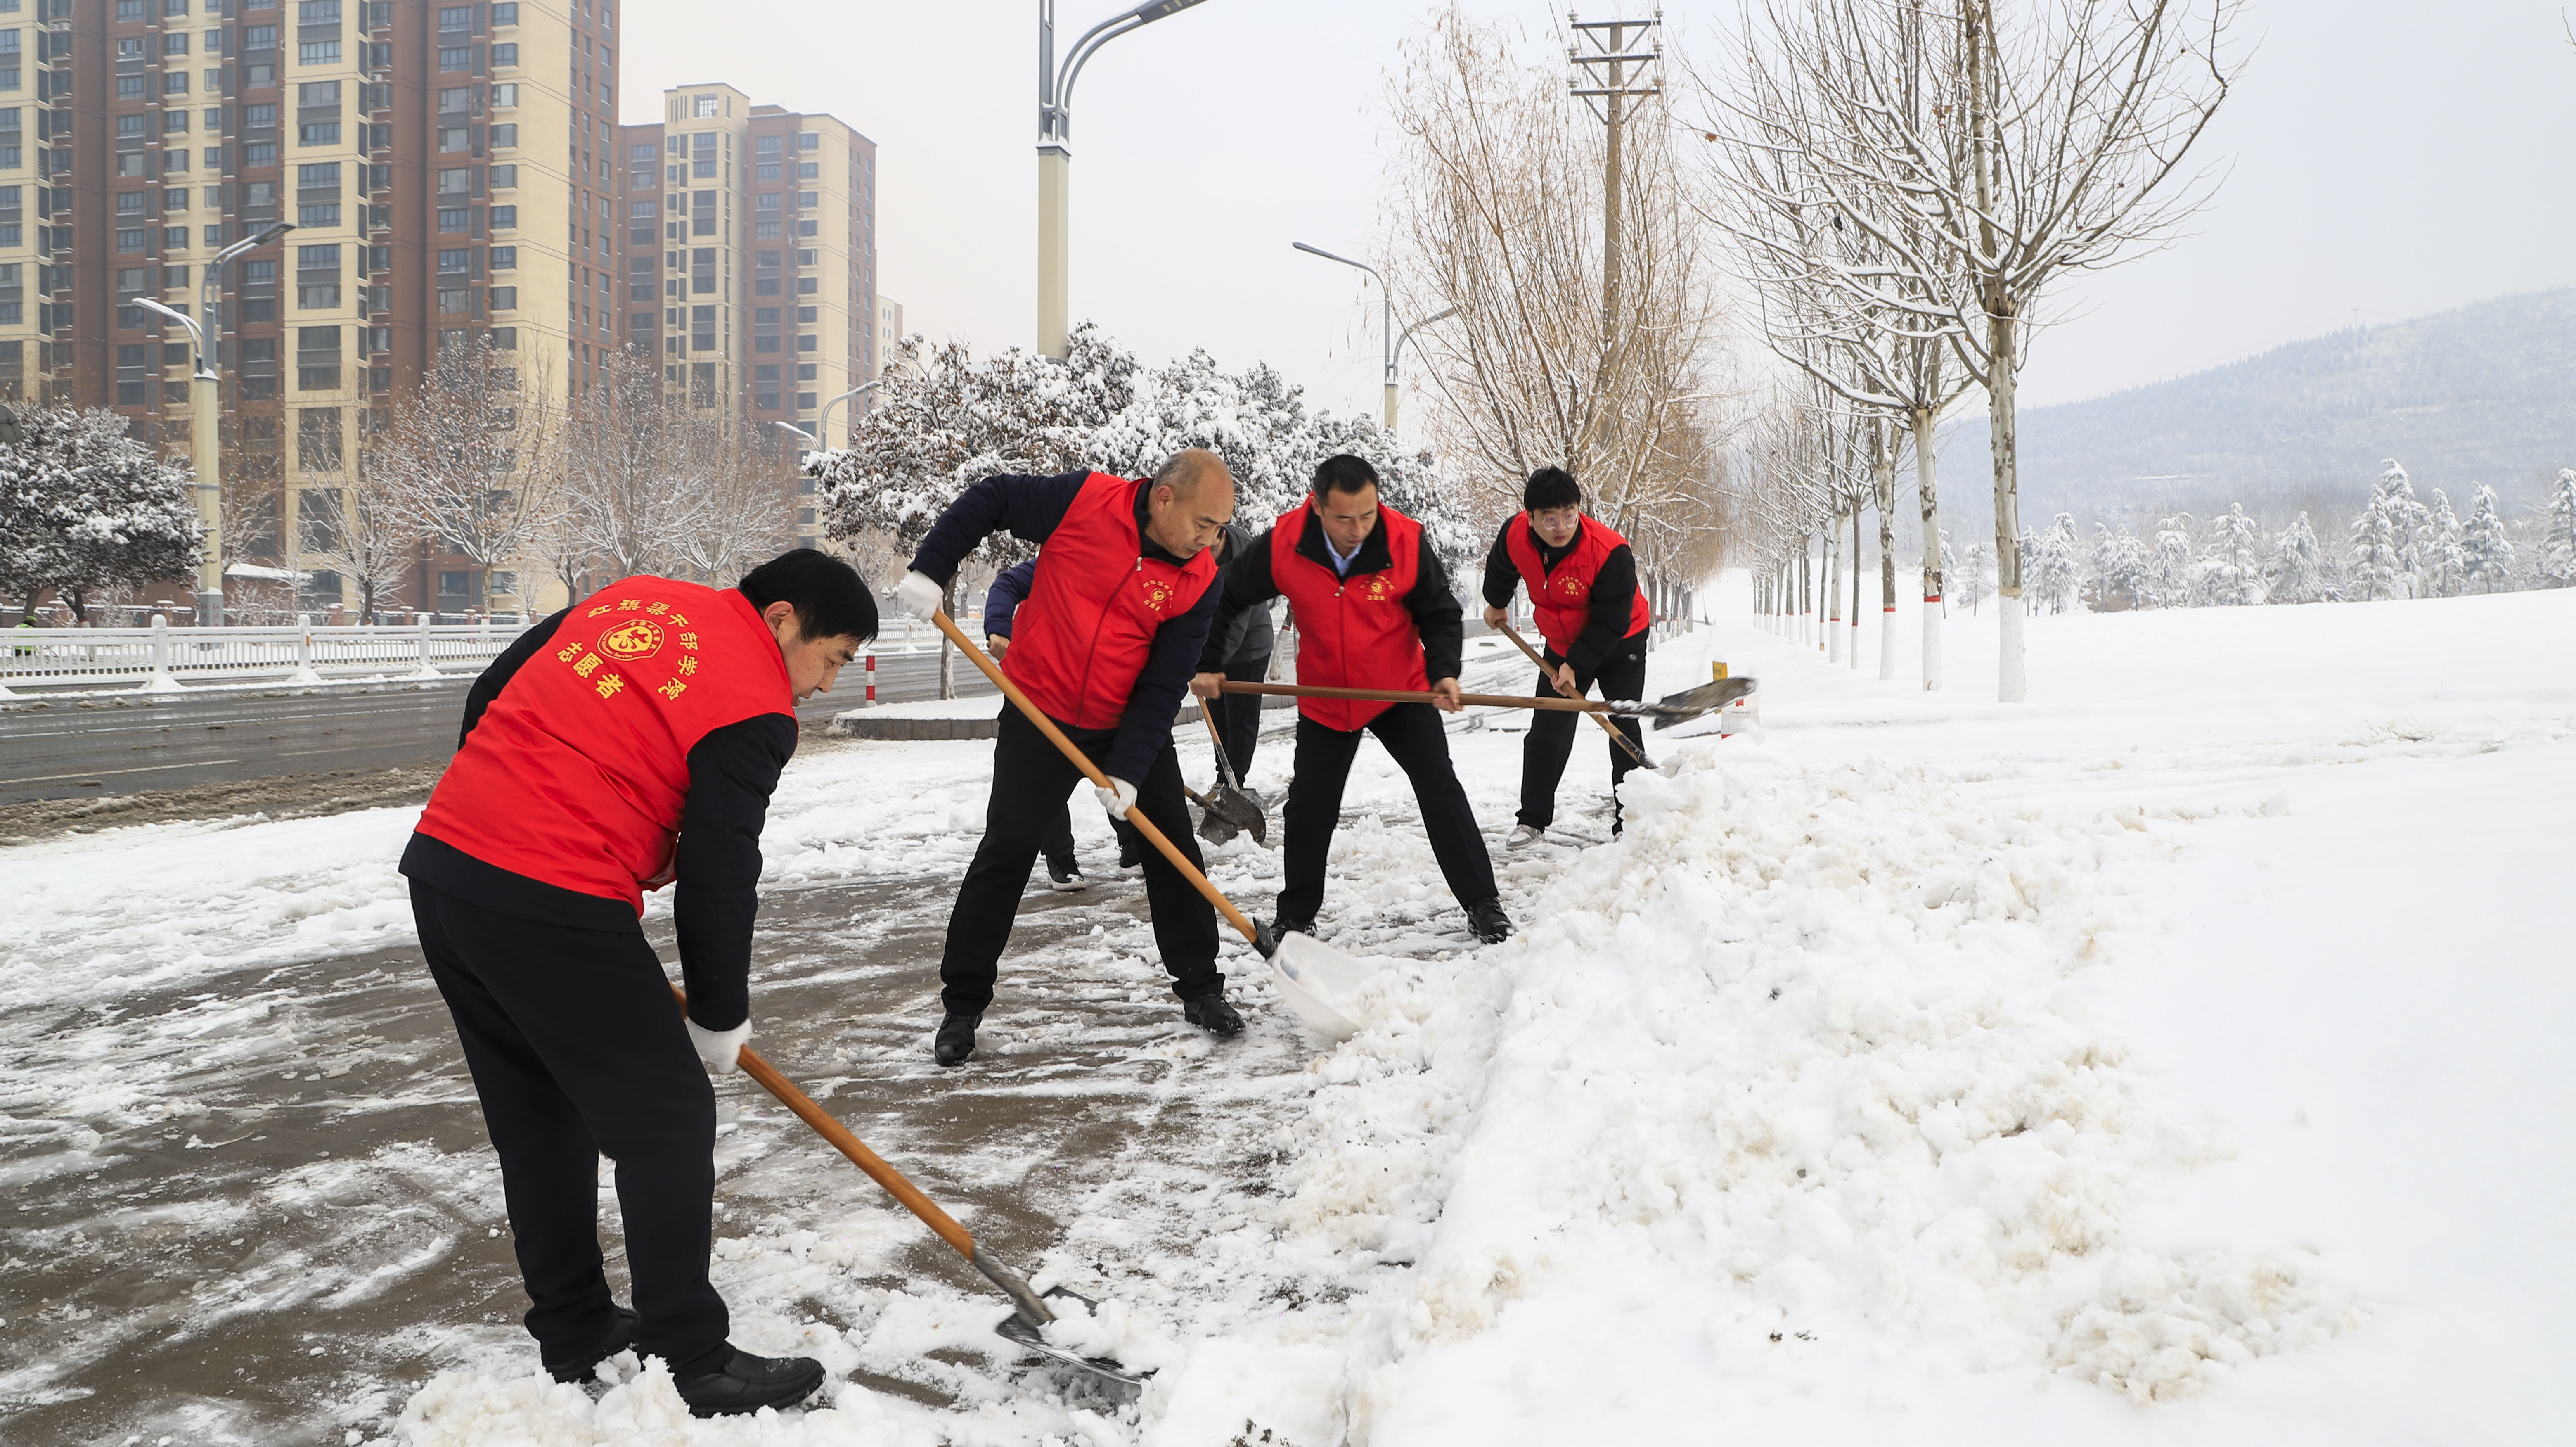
{"x":2176,"y":1056}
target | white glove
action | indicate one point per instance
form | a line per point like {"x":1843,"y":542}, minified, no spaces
{"x":720,"y":1049}
{"x":919,"y":596}
{"x":1118,"y":798}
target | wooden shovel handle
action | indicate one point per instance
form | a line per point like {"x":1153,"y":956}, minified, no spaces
{"x":1091,"y":771}
{"x":1607,"y":727}
{"x":850,"y":1145}
{"x":1414,"y":695}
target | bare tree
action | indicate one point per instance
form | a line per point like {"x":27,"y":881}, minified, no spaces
{"x":634,"y":480}
{"x":743,"y":496}
{"x":368,"y":534}
{"x":1500,"y":175}
{"x":470,"y":455}
{"x":1978,"y":162}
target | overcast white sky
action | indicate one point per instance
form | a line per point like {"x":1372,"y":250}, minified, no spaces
{"x":2389,"y":158}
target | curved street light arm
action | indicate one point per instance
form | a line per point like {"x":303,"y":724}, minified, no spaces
{"x":196,"y":334}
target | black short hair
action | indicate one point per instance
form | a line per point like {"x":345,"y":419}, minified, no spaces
{"x":1343,"y":473}
{"x":1551,"y":487}
{"x":830,"y":598}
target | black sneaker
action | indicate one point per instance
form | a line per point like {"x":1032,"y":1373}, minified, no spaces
{"x":1212,"y":1014}
{"x":748,"y":1383}
{"x":1129,"y":863}
{"x":956,"y":1039}
{"x":1284,"y":926}
{"x":1063,"y":876}
{"x":1488,"y":923}
{"x":579,"y":1368}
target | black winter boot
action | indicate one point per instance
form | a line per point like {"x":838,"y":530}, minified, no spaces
{"x":748,"y":1383}
{"x":1212,"y":1014}
{"x":1488,"y":923}
{"x":956,"y":1039}
{"x":580,"y":1366}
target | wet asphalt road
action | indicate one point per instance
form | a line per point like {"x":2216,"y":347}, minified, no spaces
{"x":103,"y":745}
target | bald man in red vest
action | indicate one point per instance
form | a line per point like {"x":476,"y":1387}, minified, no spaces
{"x":1373,"y":610}
{"x":586,"y":746}
{"x":1582,"y":582}
{"x":1117,"y":611}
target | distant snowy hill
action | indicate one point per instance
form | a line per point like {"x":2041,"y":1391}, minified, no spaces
{"x":2486,"y":394}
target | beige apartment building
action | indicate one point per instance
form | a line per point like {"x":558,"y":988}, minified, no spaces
{"x":753,"y":270}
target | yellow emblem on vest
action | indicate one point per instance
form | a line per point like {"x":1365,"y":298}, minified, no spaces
{"x":1157,"y":593}
{"x":1571,"y":586}
{"x":1380,"y":587}
{"x":633,"y":639}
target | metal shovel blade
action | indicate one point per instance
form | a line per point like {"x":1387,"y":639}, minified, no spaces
{"x":1240,"y":808}
{"x":1119,"y":1382}
{"x":1214,"y":827}
{"x":1689,"y":704}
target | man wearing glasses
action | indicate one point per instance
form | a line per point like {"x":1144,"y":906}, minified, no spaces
{"x":1582,"y":582}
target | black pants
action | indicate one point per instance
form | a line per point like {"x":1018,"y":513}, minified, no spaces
{"x":578,"y":1052}
{"x":1031,"y":782}
{"x":1058,"y":844}
{"x":1238,"y":715}
{"x":1551,"y":733}
{"x":1413,"y":738}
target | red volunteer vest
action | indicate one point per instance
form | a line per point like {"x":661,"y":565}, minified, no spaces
{"x":576,"y":774}
{"x":1354,"y":632}
{"x":1563,"y":599}
{"x":1084,"y":632}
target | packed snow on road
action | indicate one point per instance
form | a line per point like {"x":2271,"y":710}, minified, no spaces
{"x":2177,"y":1056}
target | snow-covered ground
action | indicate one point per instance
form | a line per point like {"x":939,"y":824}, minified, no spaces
{"x":2176,"y":1055}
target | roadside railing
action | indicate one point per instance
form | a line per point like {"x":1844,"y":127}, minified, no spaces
{"x":161,"y":657}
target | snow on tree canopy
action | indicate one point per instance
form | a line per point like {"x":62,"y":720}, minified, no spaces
{"x":944,"y":421}
{"x":83,"y":506}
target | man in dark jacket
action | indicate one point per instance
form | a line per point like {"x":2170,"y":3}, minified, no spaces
{"x":1117,"y":614}
{"x":1242,"y":652}
{"x":1582,"y":581}
{"x":1374,"y":610}
{"x":584,"y":746}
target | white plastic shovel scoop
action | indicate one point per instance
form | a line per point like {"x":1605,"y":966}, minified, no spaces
{"x":1321,"y":984}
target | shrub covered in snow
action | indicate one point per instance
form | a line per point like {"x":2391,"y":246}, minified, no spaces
{"x":85,"y":507}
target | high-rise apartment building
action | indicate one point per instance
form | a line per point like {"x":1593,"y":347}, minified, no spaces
{"x":755,"y":274}
{"x":450,"y":169}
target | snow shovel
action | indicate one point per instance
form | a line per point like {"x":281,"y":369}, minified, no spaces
{"x":1240,"y":806}
{"x":1312,"y":976}
{"x":1607,"y":726}
{"x":1214,"y":827}
{"x":1671,"y":709}
{"x":1029,"y":1311}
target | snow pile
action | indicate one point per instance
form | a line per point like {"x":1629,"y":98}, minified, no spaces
{"x":1806,"y":1060}
{"x":458,"y":1409}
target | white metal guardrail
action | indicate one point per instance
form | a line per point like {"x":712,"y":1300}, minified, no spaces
{"x":161,"y":657}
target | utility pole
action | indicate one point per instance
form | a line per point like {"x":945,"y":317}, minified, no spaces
{"x":1605,"y":75}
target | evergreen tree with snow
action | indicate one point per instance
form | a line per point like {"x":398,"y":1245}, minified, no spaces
{"x":2299,"y":567}
{"x":1974,"y":582}
{"x":2057,"y":576}
{"x":2443,"y":561}
{"x":2388,"y":538}
{"x":84,"y":507}
{"x":2231,"y":575}
{"x":2486,"y":554}
{"x":2174,"y":564}
{"x":2122,"y":571}
{"x":2558,"y":544}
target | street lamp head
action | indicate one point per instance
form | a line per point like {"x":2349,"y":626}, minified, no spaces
{"x":1153,"y":10}
{"x":272,"y":233}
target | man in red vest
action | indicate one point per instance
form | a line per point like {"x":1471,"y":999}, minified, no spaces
{"x":585,"y":744}
{"x":1104,"y":645}
{"x":1373,"y":610}
{"x":1582,"y":582}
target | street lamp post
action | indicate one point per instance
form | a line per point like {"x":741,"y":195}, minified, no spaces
{"x":823,"y":422}
{"x":205,"y":446}
{"x":1394,"y":340}
{"x":1055,"y":156}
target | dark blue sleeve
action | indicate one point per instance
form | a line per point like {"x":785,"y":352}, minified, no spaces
{"x":732,"y":773}
{"x":501,"y":670}
{"x":1146,"y":727}
{"x":1010,"y":590}
{"x":1245,"y":584}
{"x":1028,"y":508}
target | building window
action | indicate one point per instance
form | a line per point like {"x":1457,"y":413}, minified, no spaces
{"x":504,"y":298}
{"x":505,"y":54}
{"x":456,"y":181}
{"x":318,"y":52}
{"x":131,"y":240}
{"x":506,"y":13}
{"x":456,"y":218}
{"x":702,"y":213}
{"x":259,"y":153}
{"x":456,"y":57}
{"x":766,"y":170}
{"x":505,"y":96}
{"x":451,"y":299}
{"x":809,"y":171}
{"x":319,"y":133}
{"x":455,"y":259}
{"x":808,"y":285}
{"x":310,"y":217}
{"x":765,"y":201}
{"x":809,"y":141}
{"x":505,"y":135}
{"x":174,"y":82}
{"x":505,"y":178}
{"x":175,"y":123}
{"x":505,"y":258}
{"x":807,"y":343}
{"x":702,"y":271}
{"x":764,"y":231}
{"x":453,"y":138}
{"x":703,"y":107}
{"x":505,"y":218}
